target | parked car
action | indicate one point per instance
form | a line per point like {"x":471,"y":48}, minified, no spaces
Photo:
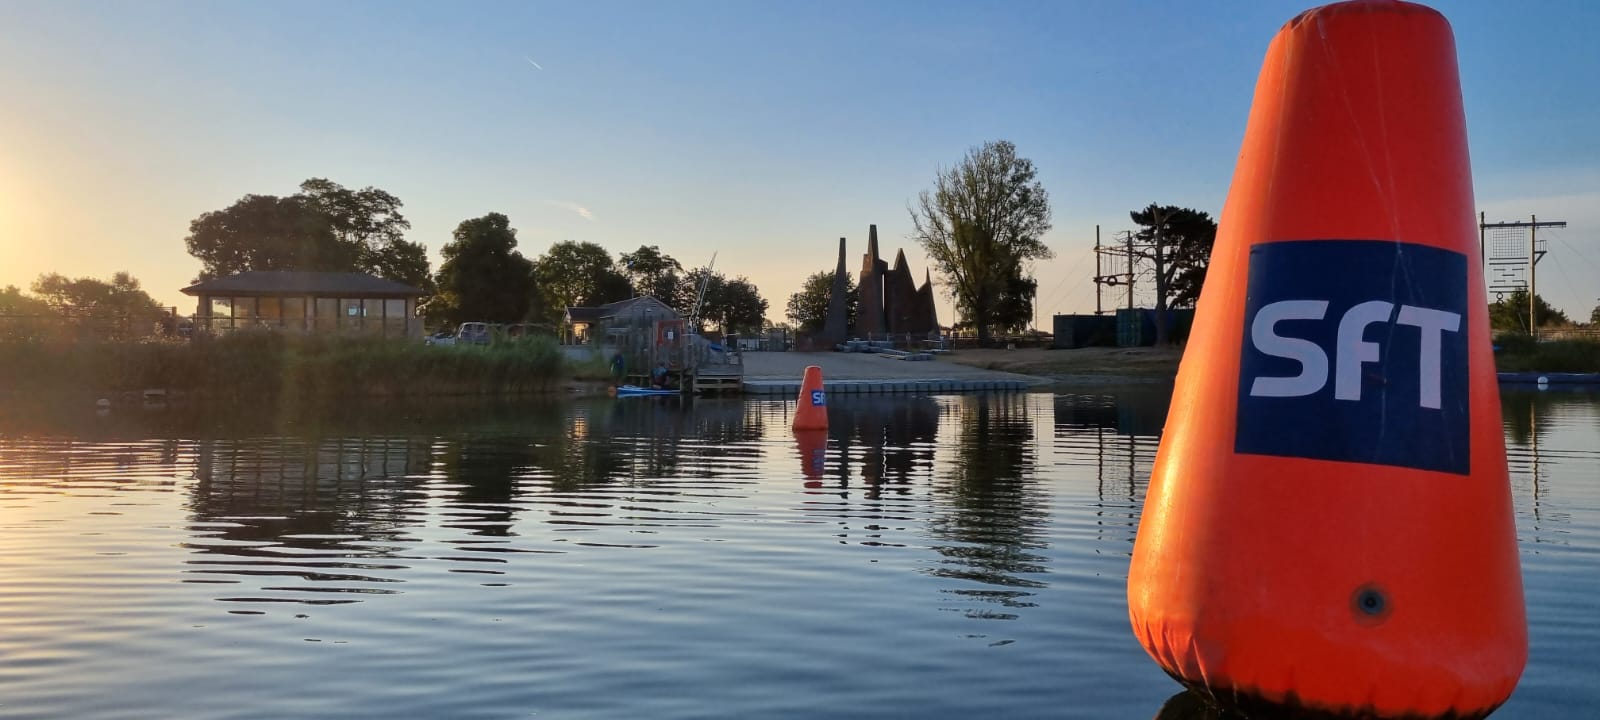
{"x":475,"y":333}
{"x":444,"y":337}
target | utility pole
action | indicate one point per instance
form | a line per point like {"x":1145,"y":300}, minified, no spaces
{"x":1130,"y":271}
{"x":1502,"y":261}
{"x":1097,"y":309}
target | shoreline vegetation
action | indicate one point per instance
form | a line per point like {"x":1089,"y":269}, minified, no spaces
{"x":261,"y":366}
{"x":258,"y":366}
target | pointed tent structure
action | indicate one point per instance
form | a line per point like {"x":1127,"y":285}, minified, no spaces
{"x":891,"y":306}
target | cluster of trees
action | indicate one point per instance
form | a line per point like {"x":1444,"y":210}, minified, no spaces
{"x":114,"y":308}
{"x":1509,"y":314}
{"x":327,"y":227}
{"x":808,"y":309}
{"x":485,"y":277}
{"x":982,"y":226}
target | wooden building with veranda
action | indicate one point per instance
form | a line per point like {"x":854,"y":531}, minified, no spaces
{"x":297,"y":301}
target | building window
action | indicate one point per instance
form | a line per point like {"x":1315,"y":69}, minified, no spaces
{"x":221,"y":314}
{"x":352,"y":314}
{"x":270,"y":310}
{"x":294,"y":312}
{"x":327,"y":314}
{"x":244,"y":310}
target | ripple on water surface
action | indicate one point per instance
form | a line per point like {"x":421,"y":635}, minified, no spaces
{"x":958,"y":556}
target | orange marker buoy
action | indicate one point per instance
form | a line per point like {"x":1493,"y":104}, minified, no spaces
{"x":1329,"y":520}
{"x":811,"y":412}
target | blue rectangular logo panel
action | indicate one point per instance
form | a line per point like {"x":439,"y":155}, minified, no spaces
{"x":1356,"y":351}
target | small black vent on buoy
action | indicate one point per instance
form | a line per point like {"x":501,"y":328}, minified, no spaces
{"x":1370,"y":604}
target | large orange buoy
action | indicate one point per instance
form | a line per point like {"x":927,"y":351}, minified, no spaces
{"x":811,"y":408}
{"x":1329,"y":521}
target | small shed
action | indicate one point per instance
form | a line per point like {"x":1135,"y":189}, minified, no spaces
{"x":302,"y":301}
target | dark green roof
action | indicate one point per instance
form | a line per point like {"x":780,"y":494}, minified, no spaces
{"x":294,"y":282}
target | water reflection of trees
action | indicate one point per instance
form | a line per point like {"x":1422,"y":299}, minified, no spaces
{"x":330,"y":511}
{"x":650,"y":438}
{"x":339,"y":493}
{"x":994,"y":513}
{"x":1117,"y":431}
{"x":883,"y":442}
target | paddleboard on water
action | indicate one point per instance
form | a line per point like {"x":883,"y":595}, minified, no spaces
{"x":636,"y":391}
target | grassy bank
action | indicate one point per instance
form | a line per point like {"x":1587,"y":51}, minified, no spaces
{"x":1519,"y":353}
{"x":278,"y":365}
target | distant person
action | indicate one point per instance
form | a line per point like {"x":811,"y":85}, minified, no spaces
{"x":618,"y":368}
{"x":658,"y":378}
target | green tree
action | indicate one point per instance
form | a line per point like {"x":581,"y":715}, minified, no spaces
{"x":981,"y":225}
{"x":122,"y":306}
{"x":578,"y":274}
{"x":1594,"y":316}
{"x":808,"y":309}
{"x":1013,"y":309}
{"x":13,"y":302}
{"x":265,"y":232}
{"x":119,"y":297}
{"x":325,"y":227}
{"x":24,"y":317}
{"x":483,"y":277}
{"x":731,"y":306}
{"x":1510,"y":313}
{"x":369,"y":219}
{"x":654,"y":273}
{"x":1177,"y":243}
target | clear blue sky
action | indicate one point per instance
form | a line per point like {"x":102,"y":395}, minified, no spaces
{"x":762,"y":131}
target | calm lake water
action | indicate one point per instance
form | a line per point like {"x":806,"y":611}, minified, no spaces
{"x":960,"y":557}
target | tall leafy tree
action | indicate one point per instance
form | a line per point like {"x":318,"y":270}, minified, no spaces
{"x":731,"y":306}
{"x":326,"y":227}
{"x":654,"y":273}
{"x":578,"y":273}
{"x":369,"y":220}
{"x":1177,"y":243}
{"x":981,"y":225}
{"x":740,"y":307}
{"x":1594,"y":316}
{"x":483,"y":276}
{"x":265,"y":232}
{"x":808,"y":308}
{"x":1510,"y":313}
{"x":1014,"y":308}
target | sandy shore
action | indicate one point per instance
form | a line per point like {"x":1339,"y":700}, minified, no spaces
{"x":1080,"y":366}
{"x":1037,"y":366}
{"x":867,"y":366}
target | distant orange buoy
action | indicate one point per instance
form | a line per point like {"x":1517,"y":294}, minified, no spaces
{"x":1329,"y":521}
{"x":811,"y":412}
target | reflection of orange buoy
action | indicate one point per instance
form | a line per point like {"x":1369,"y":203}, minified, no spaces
{"x":813,"y":452}
{"x":811,"y":413}
{"x":1329,"y":520}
